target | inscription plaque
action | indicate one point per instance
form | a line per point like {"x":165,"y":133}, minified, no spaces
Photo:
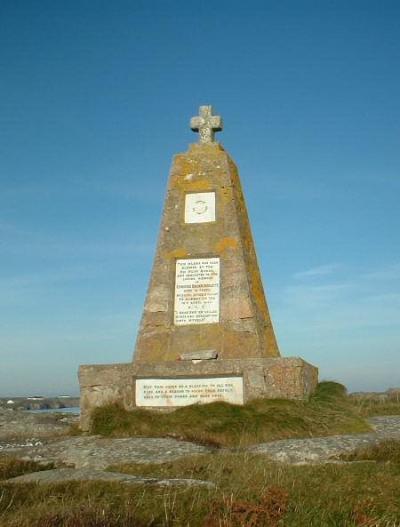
{"x":196,"y":291}
{"x":200,"y":207}
{"x":182,"y":392}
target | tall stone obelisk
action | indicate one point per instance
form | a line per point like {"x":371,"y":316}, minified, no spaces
{"x":206,"y":333}
{"x":205,"y":291}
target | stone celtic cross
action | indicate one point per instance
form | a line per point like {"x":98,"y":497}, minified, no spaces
{"x":206,"y":124}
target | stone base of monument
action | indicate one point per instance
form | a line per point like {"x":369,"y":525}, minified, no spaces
{"x":169,"y":385}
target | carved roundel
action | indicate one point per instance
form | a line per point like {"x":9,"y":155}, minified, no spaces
{"x":200,"y":207}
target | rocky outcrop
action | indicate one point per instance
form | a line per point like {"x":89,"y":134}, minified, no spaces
{"x":19,"y":426}
{"x":62,"y":475}
{"x":38,"y":403}
{"x":98,"y":453}
{"x":328,"y":449}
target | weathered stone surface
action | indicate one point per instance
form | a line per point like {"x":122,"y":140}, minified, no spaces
{"x":244,"y":328}
{"x":104,"y":384}
{"x":206,"y":124}
{"x":98,"y":453}
{"x":276,"y":378}
{"x":326,"y":449}
{"x":25,"y":425}
{"x":199,"y":355}
{"x":62,"y":475}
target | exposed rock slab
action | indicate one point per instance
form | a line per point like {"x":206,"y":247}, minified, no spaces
{"x":63,"y":475}
{"x":325,"y":449}
{"x":387,"y":426}
{"x":98,"y":452}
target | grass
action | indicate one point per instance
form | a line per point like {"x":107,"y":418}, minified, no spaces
{"x":329,"y":411}
{"x":387,"y":451}
{"x":11,"y":467}
{"x":250,"y":491}
{"x":371,"y":407}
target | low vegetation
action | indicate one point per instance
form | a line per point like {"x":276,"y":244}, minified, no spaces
{"x":250,"y":491}
{"x":11,"y":467}
{"x":329,"y":411}
{"x":372,"y":406}
{"x":387,"y":451}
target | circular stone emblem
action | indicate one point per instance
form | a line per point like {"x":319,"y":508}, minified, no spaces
{"x":200,"y":207}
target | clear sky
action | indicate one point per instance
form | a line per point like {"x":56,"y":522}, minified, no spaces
{"x":95,"y":99}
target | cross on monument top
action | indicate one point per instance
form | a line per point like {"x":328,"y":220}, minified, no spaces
{"x":206,"y":124}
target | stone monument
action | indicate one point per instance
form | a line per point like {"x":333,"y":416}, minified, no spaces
{"x":206,"y":333}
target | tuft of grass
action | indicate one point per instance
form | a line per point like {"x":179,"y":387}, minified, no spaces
{"x":268,"y":510}
{"x":384,"y":451}
{"x":11,"y":467}
{"x":74,"y":430}
{"x":371,"y":407}
{"x":249,"y":491}
{"x":329,"y":411}
{"x":92,"y":516}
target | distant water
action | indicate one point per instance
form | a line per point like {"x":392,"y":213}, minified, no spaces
{"x":73,"y":410}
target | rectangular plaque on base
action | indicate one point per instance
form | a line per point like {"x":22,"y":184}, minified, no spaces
{"x":184,"y":391}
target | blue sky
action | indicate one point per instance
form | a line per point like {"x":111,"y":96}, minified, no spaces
{"x":95,"y":99}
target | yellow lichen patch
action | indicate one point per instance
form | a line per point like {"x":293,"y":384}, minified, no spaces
{"x":206,"y":149}
{"x":187,"y":184}
{"x":184,"y":165}
{"x":226,"y":243}
{"x":176,"y":253}
{"x":225,"y":196}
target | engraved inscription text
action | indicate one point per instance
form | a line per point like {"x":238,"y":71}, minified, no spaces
{"x":181,"y":392}
{"x":196,"y":291}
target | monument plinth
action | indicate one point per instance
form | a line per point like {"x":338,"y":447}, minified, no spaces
{"x":206,"y":333}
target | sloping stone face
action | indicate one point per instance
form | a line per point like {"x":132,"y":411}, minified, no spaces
{"x":244,"y":328}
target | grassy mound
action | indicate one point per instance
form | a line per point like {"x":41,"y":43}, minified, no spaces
{"x":329,"y":411}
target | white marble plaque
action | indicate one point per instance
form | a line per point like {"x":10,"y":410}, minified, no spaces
{"x":200,"y":207}
{"x":181,"y":392}
{"x":196,"y":291}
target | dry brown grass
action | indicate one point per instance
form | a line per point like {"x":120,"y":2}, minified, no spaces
{"x":249,"y":491}
{"x":387,"y":451}
{"x":269,"y":509}
{"x":11,"y":467}
{"x":370,"y":407}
